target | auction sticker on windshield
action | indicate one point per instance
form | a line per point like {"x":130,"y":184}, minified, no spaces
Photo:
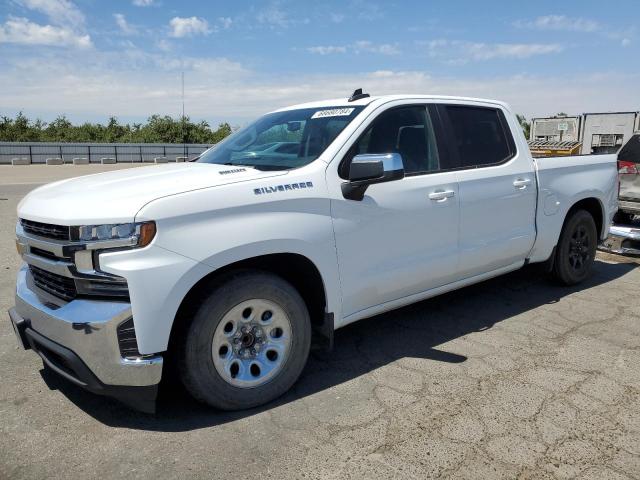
{"x":334,"y":112}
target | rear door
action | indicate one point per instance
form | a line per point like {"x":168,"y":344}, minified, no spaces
{"x":497,"y":188}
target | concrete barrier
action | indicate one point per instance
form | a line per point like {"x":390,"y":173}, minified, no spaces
{"x":21,"y":161}
{"x":54,"y":161}
{"x":81,"y":161}
{"x":108,"y":160}
{"x":181,"y":159}
{"x":161,"y":160}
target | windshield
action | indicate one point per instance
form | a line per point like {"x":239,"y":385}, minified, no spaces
{"x":282,"y":140}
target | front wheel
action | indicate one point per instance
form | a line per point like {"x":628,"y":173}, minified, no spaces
{"x":576,"y":249}
{"x":248,"y":342}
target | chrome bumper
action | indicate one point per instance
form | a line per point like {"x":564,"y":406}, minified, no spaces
{"x":622,"y":240}
{"x":88,"y":329}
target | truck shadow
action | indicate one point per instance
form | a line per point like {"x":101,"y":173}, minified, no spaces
{"x":411,"y":332}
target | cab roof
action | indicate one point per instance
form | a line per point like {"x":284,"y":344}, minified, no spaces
{"x":379,"y":99}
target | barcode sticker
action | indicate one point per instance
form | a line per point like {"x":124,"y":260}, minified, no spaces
{"x":333,"y":112}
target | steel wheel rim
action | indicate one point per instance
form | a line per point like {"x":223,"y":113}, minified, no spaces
{"x":579,"y":248}
{"x":251,"y":343}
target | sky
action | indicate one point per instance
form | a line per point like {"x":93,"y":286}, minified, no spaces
{"x":92,"y":59}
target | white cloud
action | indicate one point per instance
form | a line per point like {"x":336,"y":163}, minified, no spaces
{"x":362,"y":46}
{"x":59,"y":12}
{"x":67,"y":28}
{"x":625,"y":36}
{"x":22,"y":31}
{"x":225,"y":22}
{"x":219,"y":89}
{"x":134,"y":84}
{"x":143,"y":3}
{"x":560,"y":22}
{"x":273,"y":16}
{"x":188,"y":26}
{"x":220,"y":67}
{"x":122,"y":23}
{"x":622,"y":34}
{"x":337,"y":17}
{"x":367,"y":10}
{"x":484,"y":51}
{"x":369,"y":47}
{"x":457,"y":52}
{"x":327,"y":50}
{"x":164,"y":45}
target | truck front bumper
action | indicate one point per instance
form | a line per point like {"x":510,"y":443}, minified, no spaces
{"x":79,"y":341}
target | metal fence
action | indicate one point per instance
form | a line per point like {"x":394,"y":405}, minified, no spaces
{"x":41,"y":153}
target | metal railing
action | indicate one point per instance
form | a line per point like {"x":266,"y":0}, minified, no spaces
{"x":25,"y":153}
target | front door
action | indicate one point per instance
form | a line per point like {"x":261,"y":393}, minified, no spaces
{"x":402,"y":238}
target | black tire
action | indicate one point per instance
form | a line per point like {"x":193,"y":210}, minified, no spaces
{"x":197,"y":370}
{"x":622,"y":218}
{"x":576,"y":249}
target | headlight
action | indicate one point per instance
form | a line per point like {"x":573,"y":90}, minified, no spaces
{"x":141,"y":234}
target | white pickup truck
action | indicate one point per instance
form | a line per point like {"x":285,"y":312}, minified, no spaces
{"x":310,"y":218}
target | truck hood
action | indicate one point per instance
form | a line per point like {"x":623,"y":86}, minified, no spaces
{"x":115,"y":197}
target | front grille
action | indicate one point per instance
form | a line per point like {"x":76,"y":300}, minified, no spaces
{"x":127,"y":339}
{"x":76,"y":284}
{"x":44,"y":253}
{"x":57,"y":285}
{"x":111,"y":287}
{"x":46,"y":230}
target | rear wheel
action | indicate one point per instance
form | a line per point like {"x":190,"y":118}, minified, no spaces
{"x":248,"y":342}
{"x":576,"y":248}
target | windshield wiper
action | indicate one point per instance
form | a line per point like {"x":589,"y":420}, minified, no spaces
{"x":261,"y":167}
{"x":267,"y":167}
{"x":237,"y":164}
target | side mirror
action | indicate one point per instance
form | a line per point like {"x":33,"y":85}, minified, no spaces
{"x":368,"y":169}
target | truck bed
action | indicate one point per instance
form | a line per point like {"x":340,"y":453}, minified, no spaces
{"x":564,"y":181}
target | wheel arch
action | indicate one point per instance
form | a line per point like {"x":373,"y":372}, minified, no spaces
{"x":550,"y":226}
{"x":295,"y":268}
{"x":592,"y":205}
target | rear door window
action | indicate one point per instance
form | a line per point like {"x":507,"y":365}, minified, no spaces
{"x":480,"y":134}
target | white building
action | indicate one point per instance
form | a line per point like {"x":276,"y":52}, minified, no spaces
{"x":607,"y":132}
{"x":586,"y":134}
{"x":556,"y":129}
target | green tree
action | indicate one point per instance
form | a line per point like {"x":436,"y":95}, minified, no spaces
{"x":114,"y":132}
{"x":157,"y":129}
{"x":60,"y":130}
{"x":526,"y":125}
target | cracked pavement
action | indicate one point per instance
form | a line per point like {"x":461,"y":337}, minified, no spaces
{"x":512,"y":378}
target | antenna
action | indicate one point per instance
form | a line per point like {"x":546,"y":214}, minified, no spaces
{"x":184,"y":142}
{"x":357,"y":95}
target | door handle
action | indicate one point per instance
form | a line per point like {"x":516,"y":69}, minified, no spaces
{"x":522,"y":183}
{"x":441,"y":195}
